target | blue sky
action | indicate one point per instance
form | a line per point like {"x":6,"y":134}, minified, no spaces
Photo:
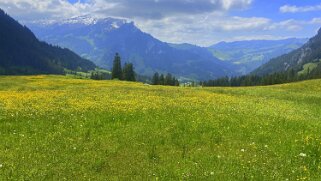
{"x":201,"y":22}
{"x":75,"y":1}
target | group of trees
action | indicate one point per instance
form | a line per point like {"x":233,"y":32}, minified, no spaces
{"x":164,"y":80}
{"x":271,"y":79}
{"x":98,"y":75}
{"x":126,"y":73}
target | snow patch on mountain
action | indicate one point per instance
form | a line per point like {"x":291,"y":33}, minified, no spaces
{"x":86,"y":20}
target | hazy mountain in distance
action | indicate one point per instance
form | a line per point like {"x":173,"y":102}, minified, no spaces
{"x":99,"y":40}
{"x":307,"y":56}
{"x":249,"y":55}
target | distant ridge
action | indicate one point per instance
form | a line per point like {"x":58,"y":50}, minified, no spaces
{"x":310,"y":52}
{"x":99,"y":39}
{"x":250,"y":54}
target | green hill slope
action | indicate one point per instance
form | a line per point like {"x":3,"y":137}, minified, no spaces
{"x":54,"y":127}
{"x":308,"y":53}
{"x":249,"y":55}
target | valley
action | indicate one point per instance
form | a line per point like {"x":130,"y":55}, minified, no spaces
{"x":98,"y":40}
{"x":160,"y":90}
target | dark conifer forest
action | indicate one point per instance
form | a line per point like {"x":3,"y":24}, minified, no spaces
{"x":22,"y":53}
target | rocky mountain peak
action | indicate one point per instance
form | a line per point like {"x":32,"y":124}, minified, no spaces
{"x":319,"y":32}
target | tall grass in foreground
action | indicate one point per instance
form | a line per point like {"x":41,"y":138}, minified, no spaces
{"x":56,"y":128}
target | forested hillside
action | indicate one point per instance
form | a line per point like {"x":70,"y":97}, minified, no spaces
{"x":22,"y":53}
{"x":251,"y":54}
{"x":301,"y":64}
{"x":296,"y":60}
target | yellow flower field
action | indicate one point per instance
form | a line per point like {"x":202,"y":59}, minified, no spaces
{"x":59,"y":128}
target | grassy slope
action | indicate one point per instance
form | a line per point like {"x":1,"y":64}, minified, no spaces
{"x":309,"y":67}
{"x":53,"y":127}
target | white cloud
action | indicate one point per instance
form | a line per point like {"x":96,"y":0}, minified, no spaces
{"x":258,"y":37}
{"x":316,"y":21}
{"x":240,"y":23}
{"x":148,"y":9}
{"x":34,"y":9}
{"x":293,"y":25}
{"x":193,"y":21}
{"x":290,"y":25}
{"x":201,"y":29}
{"x":158,"y":9}
{"x":299,"y":9}
{"x":201,"y":22}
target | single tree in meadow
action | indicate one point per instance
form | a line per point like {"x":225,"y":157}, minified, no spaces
{"x":117,"y":70}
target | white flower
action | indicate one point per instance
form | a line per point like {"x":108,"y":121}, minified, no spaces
{"x":1,"y":165}
{"x":303,"y":155}
{"x":266,"y":146}
{"x":242,"y":150}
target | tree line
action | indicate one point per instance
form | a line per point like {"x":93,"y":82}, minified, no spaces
{"x":160,"y":79}
{"x":126,"y":72}
{"x":98,"y":75}
{"x":271,"y":79}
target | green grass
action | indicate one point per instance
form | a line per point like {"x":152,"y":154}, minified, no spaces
{"x":60,"y":128}
{"x":220,"y":55}
{"x":308,"y":67}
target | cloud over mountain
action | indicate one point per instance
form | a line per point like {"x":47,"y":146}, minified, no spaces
{"x":201,"y":22}
{"x":157,"y":9}
{"x":299,"y":9}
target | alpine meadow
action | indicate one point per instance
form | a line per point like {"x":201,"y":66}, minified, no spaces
{"x":213,"y":90}
{"x":53,"y":128}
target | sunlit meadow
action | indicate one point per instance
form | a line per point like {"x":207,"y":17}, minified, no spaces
{"x":60,"y":128}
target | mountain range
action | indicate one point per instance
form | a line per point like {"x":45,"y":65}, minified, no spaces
{"x":99,"y":39}
{"x":306,"y":57}
{"x":22,"y":53}
{"x":249,"y":55}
